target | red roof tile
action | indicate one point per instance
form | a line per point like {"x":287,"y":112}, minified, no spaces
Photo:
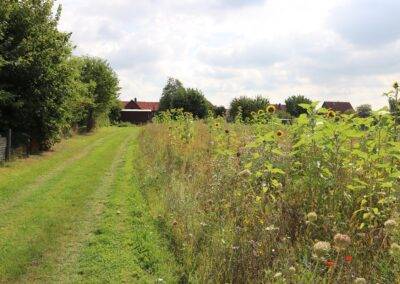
{"x":154,"y":106}
{"x":338,"y":106}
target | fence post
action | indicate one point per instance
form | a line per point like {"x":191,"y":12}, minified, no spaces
{"x":8,"y":148}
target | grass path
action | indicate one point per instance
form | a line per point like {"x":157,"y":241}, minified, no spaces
{"x":77,"y":215}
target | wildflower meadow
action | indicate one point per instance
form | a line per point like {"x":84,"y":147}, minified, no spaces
{"x":314,"y":200}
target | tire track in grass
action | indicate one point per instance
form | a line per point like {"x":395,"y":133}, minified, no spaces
{"x":25,"y":192}
{"x":127,"y":246}
{"x":27,"y":234}
{"x":23,"y":171}
{"x":58,"y":266}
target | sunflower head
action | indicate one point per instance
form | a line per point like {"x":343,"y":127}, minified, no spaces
{"x":279,"y":133}
{"x":271,"y":109}
{"x":216,"y":124}
{"x":331,"y":114}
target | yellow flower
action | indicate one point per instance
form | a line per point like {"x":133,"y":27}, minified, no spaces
{"x":331,"y":114}
{"x":279,"y":133}
{"x":271,"y":109}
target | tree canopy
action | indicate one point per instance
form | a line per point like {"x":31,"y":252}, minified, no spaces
{"x":44,"y":90}
{"x":103,"y":88}
{"x":175,"y":96}
{"x":293,"y":105}
{"x":34,"y":74}
{"x":364,"y":110}
{"x":246,"y":106}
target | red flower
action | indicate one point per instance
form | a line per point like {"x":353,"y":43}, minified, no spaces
{"x":348,"y":258}
{"x":329,"y":263}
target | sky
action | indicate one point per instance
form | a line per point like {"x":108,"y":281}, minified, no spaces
{"x":337,"y":50}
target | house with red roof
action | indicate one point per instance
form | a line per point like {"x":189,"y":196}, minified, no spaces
{"x":341,"y":107}
{"x":138,"y":112}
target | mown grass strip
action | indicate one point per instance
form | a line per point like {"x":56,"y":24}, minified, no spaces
{"x":16,"y":194}
{"x":35,"y":228}
{"x":59,"y":266}
{"x":126,"y":246}
{"x":17,"y":175}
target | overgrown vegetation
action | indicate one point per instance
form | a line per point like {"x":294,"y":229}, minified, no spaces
{"x":311,"y":202}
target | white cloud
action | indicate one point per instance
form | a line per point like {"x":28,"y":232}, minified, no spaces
{"x":337,"y":50}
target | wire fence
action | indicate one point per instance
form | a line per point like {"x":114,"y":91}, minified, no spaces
{"x":13,"y":144}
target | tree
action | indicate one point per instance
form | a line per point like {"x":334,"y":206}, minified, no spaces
{"x":196,"y":103}
{"x":103,"y":87}
{"x":219,"y":111}
{"x":247,"y":106}
{"x":293,"y":105}
{"x":175,"y":96}
{"x":173,"y":89}
{"x":34,"y":74}
{"x":364,"y":110}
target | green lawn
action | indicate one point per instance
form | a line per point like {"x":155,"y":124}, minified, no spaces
{"x":77,"y":215}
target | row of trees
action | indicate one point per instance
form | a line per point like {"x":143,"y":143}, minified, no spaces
{"x":44,"y":90}
{"x":192,"y":100}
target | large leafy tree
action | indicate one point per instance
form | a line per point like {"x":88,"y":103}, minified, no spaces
{"x":34,"y":72}
{"x":364,"y":110}
{"x":102,"y":89}
{"x":175,"y":96}
{"x":173,"y":93}
{"x":246,"y":106}
{"x":293,"y":105}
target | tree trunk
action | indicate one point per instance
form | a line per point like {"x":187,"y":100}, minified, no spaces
{"x":91,"y":122}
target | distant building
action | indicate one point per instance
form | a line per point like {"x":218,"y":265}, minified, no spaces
{"x":137,"y":112}
{"x":280,"y":107}
{"x":338,"y":106}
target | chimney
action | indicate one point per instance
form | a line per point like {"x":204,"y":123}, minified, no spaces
{"x":135,"y":100}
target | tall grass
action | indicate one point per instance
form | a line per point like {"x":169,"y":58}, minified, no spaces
{"x":314,"y":201}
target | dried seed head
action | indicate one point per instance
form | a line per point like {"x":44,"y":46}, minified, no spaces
{"x":341,"y":241}
{"x":360,"y":281}
{"x":395,"y":248}
{"x":245,"y":173}
{"x":312,"y":217}
{"x":390,"y":225}
{"x":321,"y":248}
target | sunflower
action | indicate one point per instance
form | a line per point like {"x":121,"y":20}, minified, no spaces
{"x":279,"y":133}
{"x":271,"y":109}
{"x":331,"y":114}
